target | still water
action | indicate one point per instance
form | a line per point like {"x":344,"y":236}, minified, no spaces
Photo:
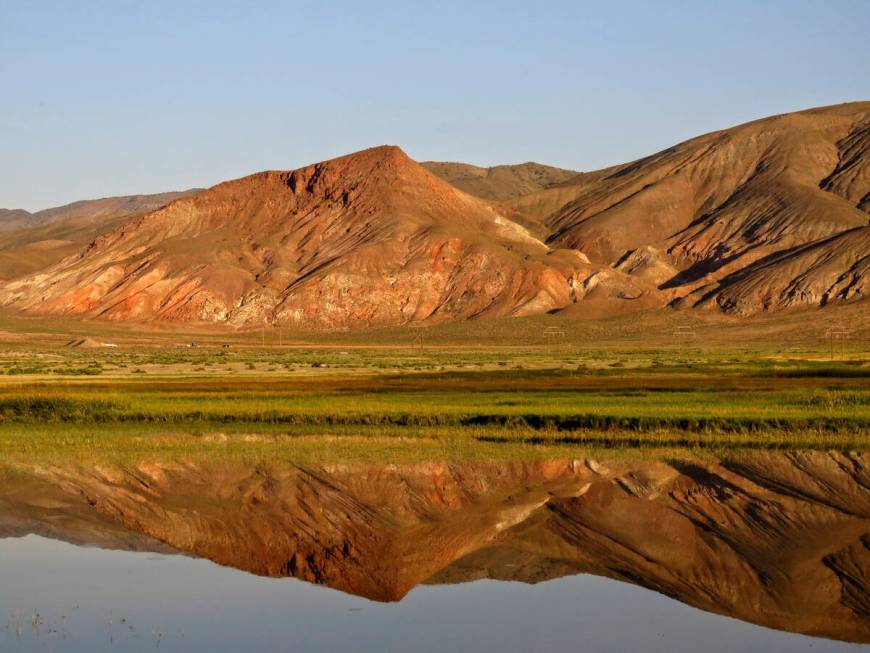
{"x":764,"y":552}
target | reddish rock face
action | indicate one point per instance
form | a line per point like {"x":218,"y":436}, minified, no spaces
{"x":367,"y":239}
{"x":781,"y":540}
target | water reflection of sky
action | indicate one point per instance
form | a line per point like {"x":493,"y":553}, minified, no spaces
{"x":96,"y":600}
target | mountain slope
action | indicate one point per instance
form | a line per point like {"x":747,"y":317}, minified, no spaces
{"x":729,"y":191}
{"x":720,"y":206}
{"x":33,"y":241}
{"x":500,"y":183}
{"x":721,"y":202}
{"x":14,"y":218}
{"x":107,"y":206}
{"x":91,"y":209}
{"x":370,"y":238}
{"x":835,"y":269}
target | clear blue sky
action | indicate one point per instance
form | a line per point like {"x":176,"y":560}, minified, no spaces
{"x":119,"y":97}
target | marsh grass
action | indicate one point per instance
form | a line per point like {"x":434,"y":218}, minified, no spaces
{"x":366,"y":403}
{"x":534,"y":402}
{"x":38,"y":445}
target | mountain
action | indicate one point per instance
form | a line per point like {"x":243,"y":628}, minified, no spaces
{"x":500,"y":183}
{"x":13,"y":218}
{"x":30,"y":242}
{"x":747,"y":201}
{"x":765,"y":216}
{"x":94,"y":209}
{"x":777,"y":539}
{"x":366,"y":239}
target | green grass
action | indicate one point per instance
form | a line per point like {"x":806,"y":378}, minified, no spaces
{"x":535,"y":409}
{"x":134,"y":444}
{"x":445,"y":403}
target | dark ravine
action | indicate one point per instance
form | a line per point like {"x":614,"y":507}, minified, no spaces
{"x":777,"y":539}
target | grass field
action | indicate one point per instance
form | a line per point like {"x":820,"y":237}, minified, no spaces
{"x":441,"y":400}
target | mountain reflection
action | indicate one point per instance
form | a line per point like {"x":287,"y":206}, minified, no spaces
{"x":777,"y":539}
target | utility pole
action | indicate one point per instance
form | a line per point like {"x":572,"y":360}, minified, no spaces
{"x":684,"y":336}
{"x":837,"y":337}
{"x":419,"y":335}
{"x":550,"y":334}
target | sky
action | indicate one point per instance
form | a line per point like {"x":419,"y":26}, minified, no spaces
{"x":122,"y":97}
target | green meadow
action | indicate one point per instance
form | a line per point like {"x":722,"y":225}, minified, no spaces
{"x":422,"y":403}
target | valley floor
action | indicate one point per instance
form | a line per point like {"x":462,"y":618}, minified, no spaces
{"x":439,"y":400}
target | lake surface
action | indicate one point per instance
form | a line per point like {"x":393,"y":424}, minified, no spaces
{"x":766,"y":551}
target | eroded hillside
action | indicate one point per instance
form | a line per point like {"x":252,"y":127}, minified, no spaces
{"x":765,"y":216}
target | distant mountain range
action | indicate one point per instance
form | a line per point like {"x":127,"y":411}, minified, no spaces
{"x":770,"y":215}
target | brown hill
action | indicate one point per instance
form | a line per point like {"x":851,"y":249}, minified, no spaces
{"x":718,"y":203}
{"x":108,"y":207}
{"x":91,"y":209}
{"x":726,"y":220}
{"x":777,"y":539}
{"x":370,"y":238}
{"x":500,"y":183}
{"x":33,"y":241}
{"x":14,"y":218}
